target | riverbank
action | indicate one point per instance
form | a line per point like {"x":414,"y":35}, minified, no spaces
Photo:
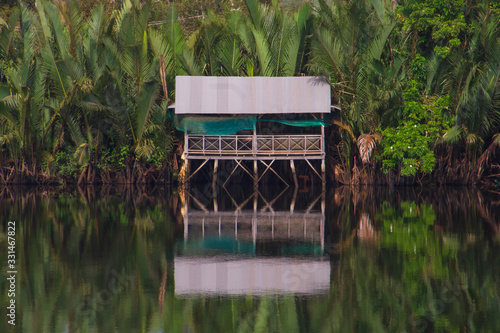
{"x":137,"y":173}
{"x":463,"y":173}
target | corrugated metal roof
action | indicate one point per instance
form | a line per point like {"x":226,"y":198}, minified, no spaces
{"x":251,"y":95}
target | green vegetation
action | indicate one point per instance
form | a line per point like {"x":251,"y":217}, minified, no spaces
{"x":84,"y":86}
{"x":409,"y":145}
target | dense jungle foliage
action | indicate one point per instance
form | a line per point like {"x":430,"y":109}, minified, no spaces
{"x":84,"y":86}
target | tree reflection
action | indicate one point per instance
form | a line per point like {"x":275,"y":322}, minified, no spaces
{"x":102,"y":260}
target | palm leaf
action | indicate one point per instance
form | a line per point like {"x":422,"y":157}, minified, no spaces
{"x":8,"y":32}
{"x":145,"y":148}
{"x":145,"y":103}
{"x":453,"y":135}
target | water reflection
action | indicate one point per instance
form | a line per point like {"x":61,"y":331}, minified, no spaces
{"x":374,"y":259}
{"x":252,"y":247}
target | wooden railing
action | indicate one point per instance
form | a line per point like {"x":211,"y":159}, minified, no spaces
{"x":253,"y":145}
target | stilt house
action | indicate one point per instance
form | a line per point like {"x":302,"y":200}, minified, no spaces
{"x":259,"y":119}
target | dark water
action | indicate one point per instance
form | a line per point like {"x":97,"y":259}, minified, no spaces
{"x":370,"y":260}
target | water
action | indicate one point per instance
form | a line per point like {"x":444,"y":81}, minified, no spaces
{"x":370,"y":260}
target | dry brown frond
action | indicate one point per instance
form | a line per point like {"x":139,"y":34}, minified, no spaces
{"x":366,"y":145}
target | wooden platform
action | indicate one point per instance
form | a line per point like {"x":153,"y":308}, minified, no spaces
{"x":252,"y":147}
{"x":263,"y":149}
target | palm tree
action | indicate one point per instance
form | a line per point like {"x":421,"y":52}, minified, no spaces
{"x":274,"y":41}
{"x":471,"y":77}
{"x":23,"y":113}
{"x":348,"y":46}
{"x":133,"y":56}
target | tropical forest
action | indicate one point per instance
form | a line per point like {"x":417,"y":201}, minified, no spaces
{"x":85,"y":86}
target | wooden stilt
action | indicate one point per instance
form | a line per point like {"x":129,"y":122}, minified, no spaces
{"x":214,"y":181}
{"x":254,"y":218}
{"x":186,"y":163}
{"x":186,"y":214}
{"x":322,"y":223}
{"x":323,"y":176}
{"x":214,"y":175}
{"x":292,"y":166}
{"x":255,"y":175}
{"x":323,"y":168}
{"x":187,"y":175}
{"x":292,"y":205}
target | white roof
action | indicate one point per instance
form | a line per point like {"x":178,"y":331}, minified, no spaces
{"x":251,"y":95}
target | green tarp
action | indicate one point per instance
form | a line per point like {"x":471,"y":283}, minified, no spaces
{"x":299,"y":123}
{"x":217,"y":125}
{"x":214,"y":125}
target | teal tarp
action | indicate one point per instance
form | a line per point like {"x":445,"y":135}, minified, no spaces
{"x":299,"y":123}
{"x":230,"y":245}
{"x":217,"y":125}
{"x":214,"y":125}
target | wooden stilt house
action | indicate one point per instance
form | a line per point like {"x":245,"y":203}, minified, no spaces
{"x":258,"y":119}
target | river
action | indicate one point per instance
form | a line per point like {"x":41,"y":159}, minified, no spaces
{"x":125,"y":259}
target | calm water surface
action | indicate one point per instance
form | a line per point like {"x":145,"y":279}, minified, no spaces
{"x":150,"y":260}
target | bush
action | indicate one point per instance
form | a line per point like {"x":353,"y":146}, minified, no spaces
{"x":410,"y":145}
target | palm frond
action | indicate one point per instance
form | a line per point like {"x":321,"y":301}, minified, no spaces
{"x":82,"y":154}
{"x":7,"y":33}
{"x":145,"y":148}
{"x":496,"y":139}
{"x":474,"y":140}
{"x":366,"y":145}
{"x":346,"y":128}
{"x":145,"y":102}
{"x":453,"y":135}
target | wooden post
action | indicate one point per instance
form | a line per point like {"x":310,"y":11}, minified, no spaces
{"x":255,"y":166}
{"x":292,"y":166}
{"x":254,"y":218}
{"x":255,"y":175}
{"x":323,"y":167}
{"x":186,"y":214}
{"x":187,"y":174}
{"x":323,"y":175}
{"x":214,"y":189}
{"x":294,"y":198}
{"x":214,"y":175}
{"x":322,"y":225}
{"x":186,"y":161}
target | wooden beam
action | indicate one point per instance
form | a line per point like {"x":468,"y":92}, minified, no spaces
{"x":244,"y":169}
{"x":316,"y":172}
{"x":194,"y":173}
{"x":198,"y":202}
{"x":227,"y":179}
{"x":267,"y":168}
{"x":275,"y":173}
